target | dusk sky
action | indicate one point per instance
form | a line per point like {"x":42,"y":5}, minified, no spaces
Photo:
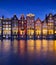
{"x":38,"y":7}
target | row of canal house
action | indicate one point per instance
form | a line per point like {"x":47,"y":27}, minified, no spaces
{"x":14,"y":28}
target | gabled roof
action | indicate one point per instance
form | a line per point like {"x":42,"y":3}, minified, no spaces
{"x":38,"y":19}
{"x":14,"y":17}
{"x":22,"y":17}
{"x":50,"y":16}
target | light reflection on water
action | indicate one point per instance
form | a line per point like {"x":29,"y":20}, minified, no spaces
{"x":28,"y":52}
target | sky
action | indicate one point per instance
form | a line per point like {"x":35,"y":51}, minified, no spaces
{"x":38,"y":7}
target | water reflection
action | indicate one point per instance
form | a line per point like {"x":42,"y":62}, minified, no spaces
{"x":22,"y":47}
{"x":55,"y":45}
{"x":6,"y":44}
{"x":50,"y":44}
{"x":44,"y":47}
{"x":30,"y":46}
{"x":38,"y":48}
{"x":28,"y":51}
{"x":15,"y":46}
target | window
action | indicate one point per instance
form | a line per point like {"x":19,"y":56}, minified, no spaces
{"x":3,"y":35}
{"x":3,"y":22}
{"x":6,"y":22}
{"x":6,"y":28}
{"x":9,"y":32}
{"x":9,"y":28}
{"x":9,"y":25}
{"x":9,"y":22}
{"x":0,"y":31}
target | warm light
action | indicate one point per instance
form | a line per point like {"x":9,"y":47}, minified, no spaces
{"x":38,"y":32}
{"x":22,"y":32}
{"x":44,"y":32}
{"x":51,"y":24}
{"x":6,"y":45}
{"x":30,"y":46}
{"x":44,"y":46}
{"x":55,"y":45}
{"x":22,"y":46}
{"x":15,"y":30}
{"x":0,"y":31}
{"x":50,"y":32}
{"x":15,"y":45}
{"x":30,"y":32}
{"x":6,"y":32}
{"x":38,"y":45}
{"x":51,"y":43}
{"x":55,"y":32}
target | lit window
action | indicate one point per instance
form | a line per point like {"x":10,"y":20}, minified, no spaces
{"x":6,"y":25}
{"x":6,"y":22}
{"x":6,"y":28}
{"x":0,"y":31}
{"x":3,"y":22}
{"x":51,"y":32}
{"x":9,"y":25}
{"x":44,"y":32}
{"x":55,"y":32}
{"x":9,"y":28}
{"x":3,"y":35}
{"x":38,"y":32}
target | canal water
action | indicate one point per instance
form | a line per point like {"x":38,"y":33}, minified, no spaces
{"x":30,"y":52}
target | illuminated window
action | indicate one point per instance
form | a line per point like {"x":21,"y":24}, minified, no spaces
{"x":50,"y":24}
{"x":6,"y":22}
{"x":3,"y":28}
{"x":32,"y":32}
{"x":9,"y":25}
{"x":0,"y":31}
{"x":55,"y":32}
{"x":9,"y":28}
{"x":51,"y":32}
{"x":28,"y":32}
{"x":6,"y":28}
{"x":38,"y":32}
{"x":6,"y":25}
{"x":3,"y":35}
{"x":44,"y":32}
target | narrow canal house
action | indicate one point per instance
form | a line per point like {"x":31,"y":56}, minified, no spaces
{"x":50,"y":26}
{"x":22,"y":27}
{"x":14,"y":27}
{"x":55,"y":26}
{"x":38,"y":26}
{"x":6,"y":28}
{"x":30,"y":25}
{"x":44,"y":29}
{"x":1,"y":28}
